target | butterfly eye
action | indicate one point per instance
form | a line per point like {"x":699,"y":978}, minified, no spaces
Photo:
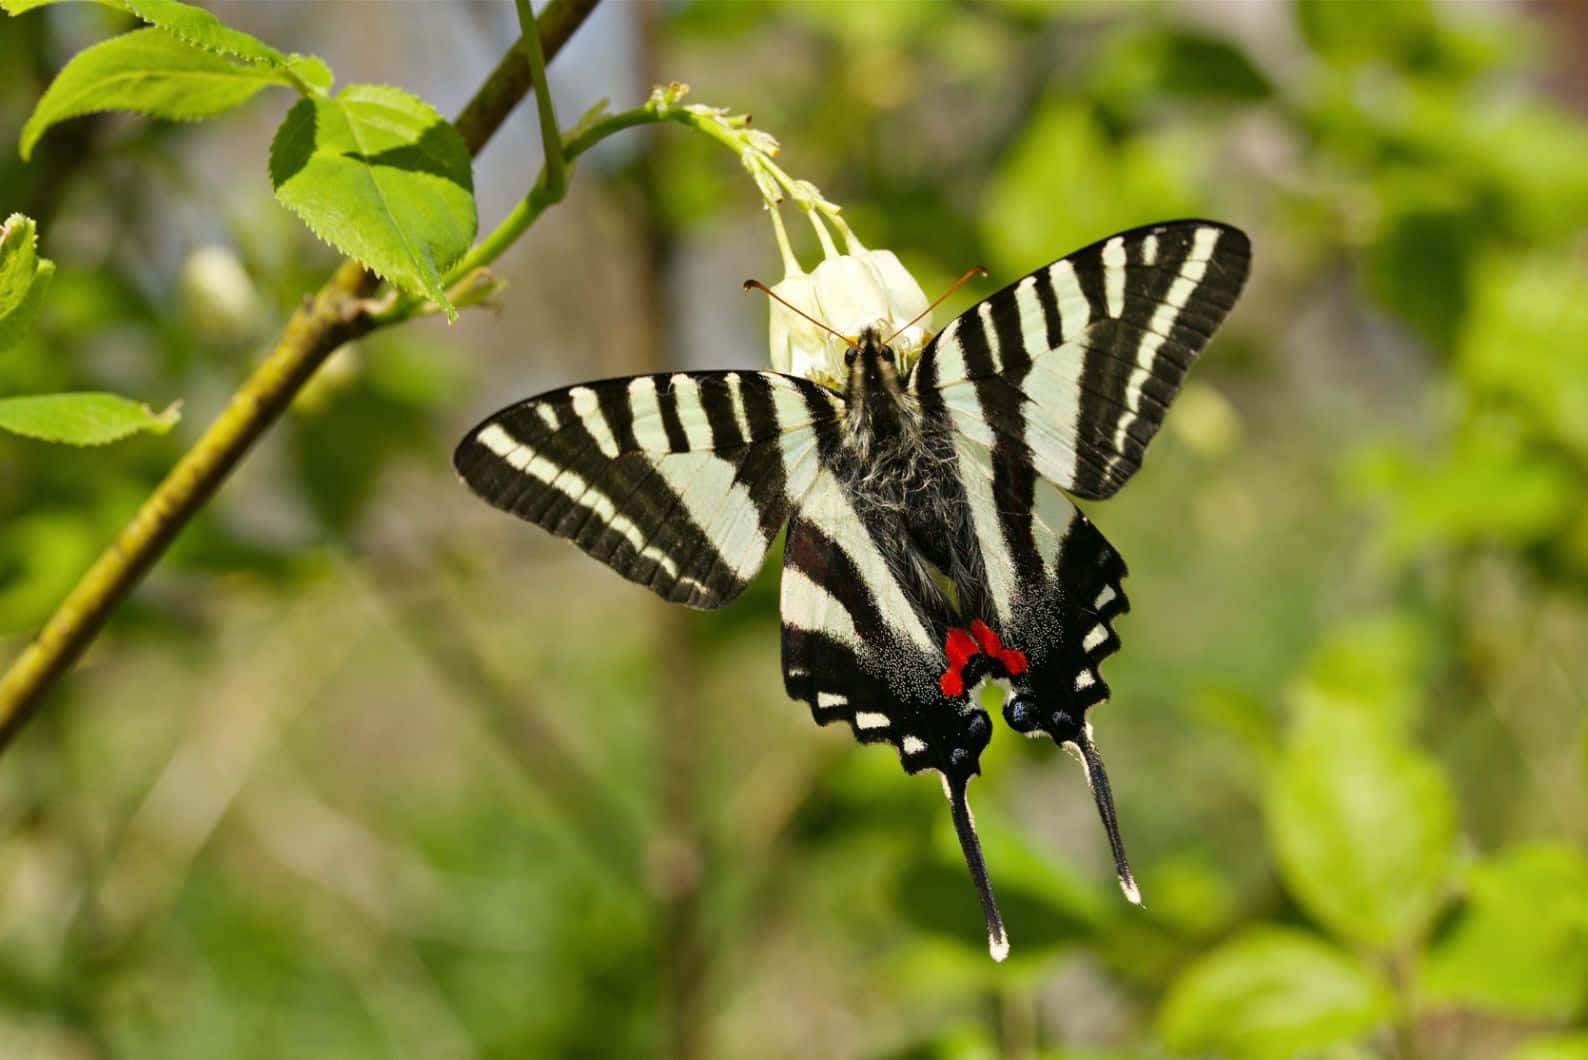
{"x":850,"y":355}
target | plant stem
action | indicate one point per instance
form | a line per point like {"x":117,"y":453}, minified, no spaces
{"x":334,"y":315}
{"x":555,"y":174}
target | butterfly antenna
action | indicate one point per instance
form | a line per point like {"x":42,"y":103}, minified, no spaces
{"x":1097,"y":780}
{"x":965,"y":826}
{"x":962,"y":281}
{"x":757,"y":285}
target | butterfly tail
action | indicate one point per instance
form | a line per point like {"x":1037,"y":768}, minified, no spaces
{"x":965,"y":828}
{"x":1097,"y":780}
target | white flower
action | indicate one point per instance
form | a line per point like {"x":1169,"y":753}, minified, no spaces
{"x":849,"y":293}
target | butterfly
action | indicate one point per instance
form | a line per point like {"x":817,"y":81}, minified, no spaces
{"x":931,"y":544}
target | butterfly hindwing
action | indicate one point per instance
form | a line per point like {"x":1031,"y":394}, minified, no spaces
{"x":678,"y":482}
{"x":1077,"y":362}
{"x":856,"y":649}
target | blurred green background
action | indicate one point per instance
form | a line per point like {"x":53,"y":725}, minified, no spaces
{"x":368,"y":769}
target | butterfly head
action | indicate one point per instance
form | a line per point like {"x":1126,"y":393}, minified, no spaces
{"x":873,"y":366}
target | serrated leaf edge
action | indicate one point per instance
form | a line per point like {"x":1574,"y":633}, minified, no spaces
{"x":275,"y":60}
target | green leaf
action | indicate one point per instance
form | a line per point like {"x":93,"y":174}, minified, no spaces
{"x":147,"y":71}
{"x":1271,"y":992}
{"x":24,"y":278}
{"x":381,"y":176}
{"x":312,"y":71}
{"x":16,"y":7}
{"x":1362,"y":825}
{"x":1520,"y":946}
{"x":1554,"y":1047}
{"x":81,"y":419}
{"x":204,"y":30}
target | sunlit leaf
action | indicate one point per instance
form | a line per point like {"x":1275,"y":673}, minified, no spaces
{"x":378,"y":174}
{"x":16,"y":7}
{"x":1520,"y":946}
{"x":24,"y":279}
{"x":312,"y":71}
{"x":202,"y":29}
{"x":147,"y":71}
{"x":1362,"y":826}
{"x":81,"y":419}
{"x":1271,"y":993}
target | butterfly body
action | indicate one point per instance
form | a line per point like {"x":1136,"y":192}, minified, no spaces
{"x":929,"y":546}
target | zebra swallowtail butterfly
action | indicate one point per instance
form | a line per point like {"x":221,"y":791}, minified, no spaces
{"x":929,"y":547}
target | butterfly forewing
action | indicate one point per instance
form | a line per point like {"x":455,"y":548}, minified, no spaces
{"x":1078,"y":361}
{"x":678,"y":482}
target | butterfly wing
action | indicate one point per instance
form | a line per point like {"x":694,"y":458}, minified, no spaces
{"x":1054,"y":586}
{"x":857,"y":647}
{"x":678,"y":482}
{"x":1077,"y":362}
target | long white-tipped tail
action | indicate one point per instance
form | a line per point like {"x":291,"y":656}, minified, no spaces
{"x":1097,"y":780}
{"x":965,"y":828}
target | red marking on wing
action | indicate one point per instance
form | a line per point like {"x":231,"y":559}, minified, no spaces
{"x":961,"y":647}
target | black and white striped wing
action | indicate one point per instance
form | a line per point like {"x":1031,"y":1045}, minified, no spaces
{"x":857,"y":648}
{"x":1055,"y":585}
{"x":678,"y":482}
{"x":1078,"y":361}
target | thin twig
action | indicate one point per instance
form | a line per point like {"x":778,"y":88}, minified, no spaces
{"x":333,"y":316}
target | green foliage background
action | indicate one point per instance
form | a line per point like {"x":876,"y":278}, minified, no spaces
{"x":367,"y":769}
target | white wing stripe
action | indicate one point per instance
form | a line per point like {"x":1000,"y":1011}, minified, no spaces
{"x":990,"y":336}
{"x":803,"y":601}
{"x":1033,"y":324}
{"x":1114,"y":276}
{"x":975,"y":473}
{"x":589,"y":412}
{"x":1074,"y":309}
{"x":736,"y":399}
{"x":647,"y":413}
{"x":950,"y":360}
